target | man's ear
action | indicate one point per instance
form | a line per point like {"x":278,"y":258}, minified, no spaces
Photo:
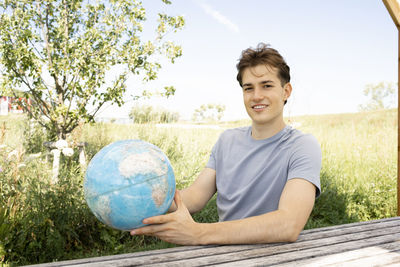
{"x":287,"y":90}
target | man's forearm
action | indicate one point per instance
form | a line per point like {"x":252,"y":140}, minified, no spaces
{"x":282,"y":225}
{"x":275,"y":226}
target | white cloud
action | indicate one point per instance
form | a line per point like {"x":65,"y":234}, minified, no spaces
{"x":219,"y":17}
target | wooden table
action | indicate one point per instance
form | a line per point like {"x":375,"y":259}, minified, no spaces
{"x":373,"y":243}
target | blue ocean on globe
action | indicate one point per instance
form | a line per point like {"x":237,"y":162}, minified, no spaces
{"x":127,"y":181}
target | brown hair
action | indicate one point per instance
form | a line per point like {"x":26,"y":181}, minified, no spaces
{"x":263,"y":55}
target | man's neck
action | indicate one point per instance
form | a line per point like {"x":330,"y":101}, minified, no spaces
{"x":259,"y":132}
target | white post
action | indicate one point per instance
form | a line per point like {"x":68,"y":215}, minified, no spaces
{"x":61,"y":146}
{"x":82,"y":157}
{"x":56,"y":165}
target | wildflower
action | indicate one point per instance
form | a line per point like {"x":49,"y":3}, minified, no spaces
{"x":13,"y":153}
{"x":21,"y":165}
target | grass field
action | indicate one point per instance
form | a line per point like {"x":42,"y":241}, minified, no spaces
{"x":41,"y":222}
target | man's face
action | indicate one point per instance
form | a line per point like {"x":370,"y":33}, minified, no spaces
{"x":263,"y":95}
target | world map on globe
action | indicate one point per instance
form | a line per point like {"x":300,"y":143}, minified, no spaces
{"x":128,"y":181}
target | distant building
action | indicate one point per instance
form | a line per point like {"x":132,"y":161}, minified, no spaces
{"x":10,"y":104}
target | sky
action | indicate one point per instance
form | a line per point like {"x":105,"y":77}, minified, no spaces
{"x":333,"y":47}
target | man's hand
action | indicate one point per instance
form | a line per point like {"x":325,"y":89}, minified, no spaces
{"x":177,"y":227}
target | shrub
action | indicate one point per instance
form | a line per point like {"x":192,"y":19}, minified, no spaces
{"x":34,"y":137}
{"x":42,"y":222}
{"x":147,"y":114}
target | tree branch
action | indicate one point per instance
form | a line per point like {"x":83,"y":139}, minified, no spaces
{"x":33,"y":115}
{"x":37,"y":97}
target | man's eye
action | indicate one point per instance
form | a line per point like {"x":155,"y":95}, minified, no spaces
{"x":247,"y":88}
{"x":267,"y":85}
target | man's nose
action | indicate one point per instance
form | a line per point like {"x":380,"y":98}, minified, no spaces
{"x":258,"y":94}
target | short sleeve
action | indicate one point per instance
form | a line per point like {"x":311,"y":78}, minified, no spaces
{"x":305,"y":161}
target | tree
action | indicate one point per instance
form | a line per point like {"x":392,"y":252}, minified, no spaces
{"x":57,"y":52}
{"x":209,"y":112}
{"x":381,"y":96}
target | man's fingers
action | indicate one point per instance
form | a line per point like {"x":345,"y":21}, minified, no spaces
{"x":157,"y":219}
{"x":157,"y":224}
{"x":148,"y":230}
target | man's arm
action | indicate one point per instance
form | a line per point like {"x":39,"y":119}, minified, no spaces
{"x":282,"y":225}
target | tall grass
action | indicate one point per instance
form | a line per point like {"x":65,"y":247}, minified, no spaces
{"x":359,"y":166}
{"x":41,"y":222}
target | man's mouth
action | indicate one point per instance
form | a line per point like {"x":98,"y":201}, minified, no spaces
{"x":259,"y":107}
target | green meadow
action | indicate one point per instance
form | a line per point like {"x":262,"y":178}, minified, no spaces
{"x":41,"y":222}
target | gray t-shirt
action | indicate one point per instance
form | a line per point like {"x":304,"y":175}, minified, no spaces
{"x":251,"y":174}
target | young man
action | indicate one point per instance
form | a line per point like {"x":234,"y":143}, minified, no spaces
{"x":266,"y":175}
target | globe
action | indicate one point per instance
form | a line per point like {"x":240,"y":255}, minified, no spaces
{"x":127,"y":181}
